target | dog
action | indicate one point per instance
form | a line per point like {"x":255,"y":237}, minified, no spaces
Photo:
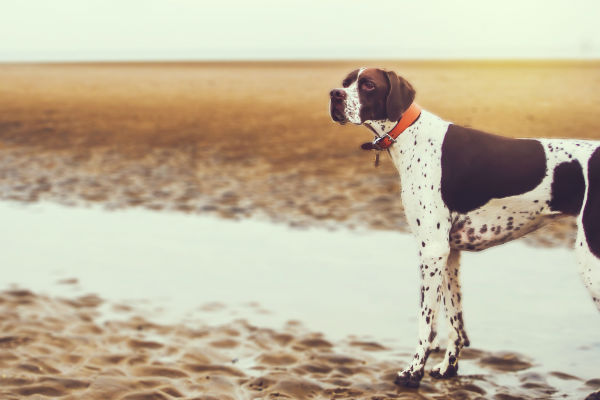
{"x":464,"y":189}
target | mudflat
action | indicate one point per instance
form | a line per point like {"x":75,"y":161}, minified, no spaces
{"x":241,"y":139}
{"x":70,"y":354}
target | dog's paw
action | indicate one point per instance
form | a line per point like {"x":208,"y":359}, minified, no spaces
{"x":409,"y":379}
{"x":440,"y":373}
{"x":445,"y":369}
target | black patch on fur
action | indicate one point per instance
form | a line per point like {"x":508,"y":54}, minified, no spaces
{"x":478,"y":167}
{"x":568,"y":188}
{"x":591,"y":212}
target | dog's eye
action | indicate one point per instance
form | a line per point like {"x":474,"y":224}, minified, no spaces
{"x":368,"y":85}
{"x":346,"y":83}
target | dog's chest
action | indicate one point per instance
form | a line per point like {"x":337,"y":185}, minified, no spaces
{"x":417,"y":154}
{"x":417,"y":157}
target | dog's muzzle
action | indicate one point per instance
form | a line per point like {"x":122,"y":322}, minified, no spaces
{"x":338,"y":105}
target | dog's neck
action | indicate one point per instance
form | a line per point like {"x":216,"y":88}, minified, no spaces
{"x":426,"y":130}
{"x":387,"y":132}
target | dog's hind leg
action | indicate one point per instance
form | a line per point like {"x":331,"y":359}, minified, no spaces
{"x":457,"y":336}
{"x":587,"y":246}
{"x":589,"y":268}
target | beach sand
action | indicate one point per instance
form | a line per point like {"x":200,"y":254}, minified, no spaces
{"x":65,"y":353}
{"x":136,"y":304}
{"x":139,"y":304}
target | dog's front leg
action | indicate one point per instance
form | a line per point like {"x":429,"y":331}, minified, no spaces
{"x":457,"y":336}
{"x":433,"y":258}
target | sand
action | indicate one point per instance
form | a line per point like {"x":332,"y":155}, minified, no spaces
{"x":55,"y":348}
{"x":67,"y":354}
{"x":253,"y":140}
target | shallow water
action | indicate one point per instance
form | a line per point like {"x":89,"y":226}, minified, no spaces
{"x":362,"y":284}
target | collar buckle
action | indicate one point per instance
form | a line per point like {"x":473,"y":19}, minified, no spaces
{"x":378,"y":139}
{"x":408,"y":118}
{"x":387,"y":135}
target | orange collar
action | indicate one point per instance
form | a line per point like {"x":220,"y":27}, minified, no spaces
{"x":408,"y":118}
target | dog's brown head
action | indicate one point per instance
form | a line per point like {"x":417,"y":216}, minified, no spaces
{"x":370,"y":94}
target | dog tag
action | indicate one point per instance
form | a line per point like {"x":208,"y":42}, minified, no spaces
{"x":376,"y":159}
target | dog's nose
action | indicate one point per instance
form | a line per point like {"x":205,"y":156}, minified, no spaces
{"x":337,"y":94}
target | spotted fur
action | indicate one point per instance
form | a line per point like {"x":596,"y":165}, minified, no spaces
{"x":542,"y":180}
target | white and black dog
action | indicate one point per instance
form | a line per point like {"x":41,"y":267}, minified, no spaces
{"x":463,"y":189}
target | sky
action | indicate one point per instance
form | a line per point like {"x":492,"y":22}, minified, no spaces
{"x":73,"y":30}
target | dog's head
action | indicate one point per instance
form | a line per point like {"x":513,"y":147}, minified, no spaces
{"x":370,"y":94}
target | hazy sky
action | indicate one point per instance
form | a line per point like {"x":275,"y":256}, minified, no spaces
{"x":267,"y":29}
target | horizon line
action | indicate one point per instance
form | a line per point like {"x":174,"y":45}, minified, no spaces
{"x":303,"y":60}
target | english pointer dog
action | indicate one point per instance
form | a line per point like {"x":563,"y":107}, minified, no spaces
{"x":464,"y":189}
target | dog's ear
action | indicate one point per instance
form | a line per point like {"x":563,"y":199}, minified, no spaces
{"x":400,"y":96}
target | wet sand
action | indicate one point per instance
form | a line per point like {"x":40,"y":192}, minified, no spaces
{"x":139,"y":304}
{"x":255,"y":139}
{"x":68,"y":354}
